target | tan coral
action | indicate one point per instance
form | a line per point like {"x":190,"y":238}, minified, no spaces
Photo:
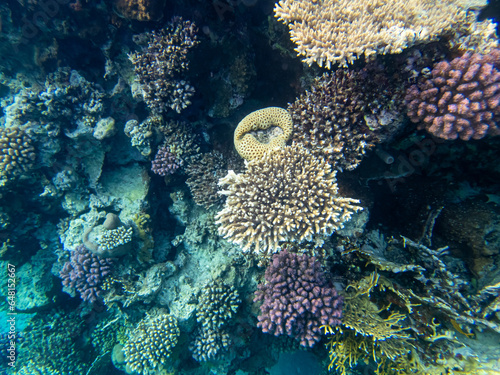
{"x":340,"y":31}
{"x":287,"y":195}
{"x":250,"y":144}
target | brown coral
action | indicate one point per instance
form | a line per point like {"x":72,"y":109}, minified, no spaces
{"x":251,"y":144}
{"x":141,"y":10}
{"x":16,"y":152}
{"x":287,"y":195}
{"x":340,"y":31}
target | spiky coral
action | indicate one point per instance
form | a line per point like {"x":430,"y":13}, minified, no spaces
{"x":287,"y":195}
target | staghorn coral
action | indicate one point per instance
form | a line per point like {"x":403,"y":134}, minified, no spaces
{"x":338,"y":32}
{"x":217,"y":304}
{"x":346,"y":113}
{"x":151,"y":343}
{"x":204,"y":171}
{"x":162,"y":61}
{"x":287,"y":195}
{"x":165,"y":162}
{"x":85,"y":272}
{"x":251,"y":144}
{"x":461,"y":98}
{"x":297,"y":298}
{"x":16,"y":153}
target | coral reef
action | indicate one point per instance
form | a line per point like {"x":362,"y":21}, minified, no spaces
{"x":287,"y":195}
{"x":141,"y":10}
{"x":165,"y":162}
{"x":346,"y":113}
{"x":262,"y":130}
{"x":141,"y":134}
{"x":85,"y":272}
{"x":162,"y":61}
{"x":339,"y":32}
{"x":297,"y":298}
{"x":16,"y":153}
{"x":204,"y":172}
{"x":460,"y":99}
{"x":151,"y":343}
{"x":217,"y":304}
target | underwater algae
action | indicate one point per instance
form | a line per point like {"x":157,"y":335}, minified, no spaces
{"x":181,"y":194}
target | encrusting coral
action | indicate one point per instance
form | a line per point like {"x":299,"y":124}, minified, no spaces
{"x":161,"y":62}
{"x":274,"y":120}
{"x":297,"y":298}
{"x":287,"y":195}
{"x":151,"y":343}
{"x":460,"y":99}
{"x":338,"y":32}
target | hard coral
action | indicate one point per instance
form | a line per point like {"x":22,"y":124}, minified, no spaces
{"x":250,"y":144}
{"x":16,"y":152}
{"x":151,"y":343}
{"x":330,"y":32}
{"x":287,"y":195}
{"x":297,"y":298}
{"x":346,"y":113}
{"x":160,"y":64}
{"x":141,"y":10}
{"x":461,"y":98}
{"x":165,"y":162}
{"x":85,"y":272}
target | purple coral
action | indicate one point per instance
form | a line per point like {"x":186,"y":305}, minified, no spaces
{"x":460,"y":99}
{"x":165,"y":162}
{"x":297,"y":298}
{"x":85,"y":272}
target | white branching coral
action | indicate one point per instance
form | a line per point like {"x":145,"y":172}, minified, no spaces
{"x":287,"y":195}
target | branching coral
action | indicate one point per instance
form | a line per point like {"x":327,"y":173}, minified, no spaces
{"x":330,"y":32}
{"x":16,"y":153}
{"x":345,"y":113}
{"x":151,"y":343}
{"x":297,"y":298}
{"x":218,"y":303}
{"x":165,"y":162}
{"x":287,"y":195}
{"x":85,"y":272}
{"x":159,"y":66}
{"x":204,"y":171}
{"x":460,"y":99}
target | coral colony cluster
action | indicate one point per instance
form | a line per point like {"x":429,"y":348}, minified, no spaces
{"x":199,"y":188}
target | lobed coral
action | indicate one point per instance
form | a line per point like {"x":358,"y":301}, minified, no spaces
{"x":297,"y":298}
{"x":151,"y":343}
{"x":161,"y":63}
{"x":165,"y":162}
{"x":251,"y":144}
{"x":338,"y":32}
{"x":204,"y":171}
{"x":287,"y":195}
{"x":460,"y":99}
{"x":17,"y":153}
{"x":217,"y":304}
{"x":85,"y":272}
{"x":346,"y":113}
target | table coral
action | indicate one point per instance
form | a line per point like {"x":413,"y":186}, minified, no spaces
{"x":339,"y":32}
{"x":460,"y":99}
{"x":287,"y":195}
{"x":251,"y":145}
{"x":297,"y":298}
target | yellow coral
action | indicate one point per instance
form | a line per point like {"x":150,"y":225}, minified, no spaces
{"x":246,"y":133}
{"x":340,"y":31}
